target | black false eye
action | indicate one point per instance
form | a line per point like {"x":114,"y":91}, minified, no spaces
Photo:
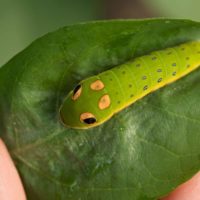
{"x":76,"y":89}
{"x":90,"y":120}
{"x":77,"y":92}
{"x":87,"y":118}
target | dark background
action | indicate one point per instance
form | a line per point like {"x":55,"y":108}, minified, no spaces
{"x":22,"y":21}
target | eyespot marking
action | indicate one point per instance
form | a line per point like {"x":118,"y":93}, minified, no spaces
{"x":187,"y":58}
{"x":87,"y":118}
{"x":118,"y":102}
{"x":77,"y":92}
{"x":90,"y":120}
{"x":104,"y":102}
{"x":169,"y":53}
{"x":159,"y":80}
{"x":182,"y":48}
{"x":159,"y":70}
{"x":130,"y":85}
{"x":132,"y":95}
{"x":123,"y":72}
{"x":97,"y":85}
{"x":138,"y":65}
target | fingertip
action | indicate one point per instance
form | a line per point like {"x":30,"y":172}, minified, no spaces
{"x":10,"y":184}
{"x":189,"y":190}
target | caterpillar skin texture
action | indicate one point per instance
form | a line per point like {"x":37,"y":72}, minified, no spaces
{"x":97,"y":98}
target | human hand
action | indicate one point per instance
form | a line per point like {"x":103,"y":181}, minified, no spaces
{"x":11,"y":187}
{"x":10,"y":184}
{"x":189,"y":190}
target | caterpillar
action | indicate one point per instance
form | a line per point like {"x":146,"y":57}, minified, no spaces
{"x":97,"y":98}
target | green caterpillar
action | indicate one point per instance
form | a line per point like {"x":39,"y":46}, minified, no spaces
{"x":97,"y":98}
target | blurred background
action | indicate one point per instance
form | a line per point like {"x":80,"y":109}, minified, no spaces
{"x":22,"y":21}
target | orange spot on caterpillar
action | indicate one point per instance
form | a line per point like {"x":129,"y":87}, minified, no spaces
{"x":104,"y":102}
{"x":77,"y":92}
{"x":97,"y":85}
{"x":87,"y":118}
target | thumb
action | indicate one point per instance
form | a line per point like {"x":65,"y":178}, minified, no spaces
{"x":10,"y":183}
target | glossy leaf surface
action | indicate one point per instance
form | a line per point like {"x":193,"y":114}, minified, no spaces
{"x":143,"y":152}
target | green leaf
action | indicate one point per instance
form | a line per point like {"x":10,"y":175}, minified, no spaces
{"x":142,"y":153}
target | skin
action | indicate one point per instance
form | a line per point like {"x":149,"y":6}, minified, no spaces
{"x":97,"y":98}
{"x":11,"y":186}
{"x":189,"y":190}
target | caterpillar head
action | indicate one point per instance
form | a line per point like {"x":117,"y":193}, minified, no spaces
{"x":87,"y":105}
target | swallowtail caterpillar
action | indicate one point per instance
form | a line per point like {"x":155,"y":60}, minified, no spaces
{"x":97,"y":98}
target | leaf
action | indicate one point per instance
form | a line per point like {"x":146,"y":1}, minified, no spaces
{"x":143,"y":152}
